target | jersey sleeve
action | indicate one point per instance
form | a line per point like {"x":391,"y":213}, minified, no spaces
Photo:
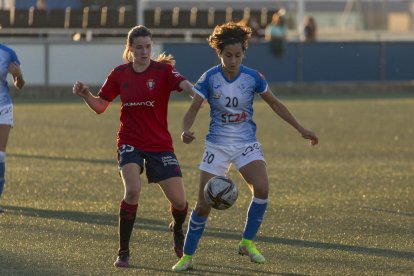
{"x":174,"y":78}
{"x":201,"y":87}
{"x":110,"y":89}
{"x":13,"y":57}
{"x":261,"y":83}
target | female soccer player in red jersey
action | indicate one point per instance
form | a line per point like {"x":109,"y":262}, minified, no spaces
{"x":144,"y":86}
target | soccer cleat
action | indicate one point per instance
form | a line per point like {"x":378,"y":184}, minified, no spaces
{"x":247,"y":247}
{"x":123,"y":259}
{"x":178,"y":237}
{"x":185,"y":263}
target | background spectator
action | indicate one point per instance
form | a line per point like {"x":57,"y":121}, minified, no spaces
{"x":309,"y":29}
{"x":41,"y":5}
{"x":275,"y":33}
{"x":254,"y":26}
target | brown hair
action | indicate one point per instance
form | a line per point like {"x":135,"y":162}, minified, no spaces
{"x":229,"y":33}
{"x":138,"y":31}
{"x":135,"y":32}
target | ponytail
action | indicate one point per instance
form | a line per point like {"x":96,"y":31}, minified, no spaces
{"x":167,"y":59}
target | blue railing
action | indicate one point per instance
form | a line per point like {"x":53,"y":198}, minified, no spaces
{"x":310,"y":62}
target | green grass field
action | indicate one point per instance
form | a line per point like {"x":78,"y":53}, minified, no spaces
{"x":345,"y":207}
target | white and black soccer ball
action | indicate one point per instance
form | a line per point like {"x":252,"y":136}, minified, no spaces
{"x":220,"y":192}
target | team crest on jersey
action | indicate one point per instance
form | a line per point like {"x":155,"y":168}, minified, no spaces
{"x":150,"y":84}
{"x":217,"y":95}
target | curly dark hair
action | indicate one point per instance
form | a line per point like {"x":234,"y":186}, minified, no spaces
{"x":229,"y":33}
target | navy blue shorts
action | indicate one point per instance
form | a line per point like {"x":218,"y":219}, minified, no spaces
{"x":158,"y":165}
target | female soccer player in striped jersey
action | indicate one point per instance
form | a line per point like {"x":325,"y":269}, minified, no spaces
{"x":9,"y":63}
{"x":229,"y":88}
{"x":144,"y":86}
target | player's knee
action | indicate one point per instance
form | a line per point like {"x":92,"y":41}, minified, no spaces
{"x":132,"y":193}
{"x":180,"y":204}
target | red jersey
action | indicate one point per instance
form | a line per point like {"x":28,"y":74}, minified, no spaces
{"x":144,"y":104}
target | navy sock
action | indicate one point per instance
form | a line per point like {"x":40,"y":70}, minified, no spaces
{"x":179,"y":217}
{"x":127,"y":214}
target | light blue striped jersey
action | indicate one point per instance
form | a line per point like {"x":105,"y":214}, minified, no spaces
{"x":231,"y":104}
{"x":7,"y":56}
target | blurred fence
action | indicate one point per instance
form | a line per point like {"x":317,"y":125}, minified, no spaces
{"x":358,"y":40}
{"x":61,"y":64}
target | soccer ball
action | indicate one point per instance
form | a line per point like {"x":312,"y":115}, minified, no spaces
{"x":220,"y":192}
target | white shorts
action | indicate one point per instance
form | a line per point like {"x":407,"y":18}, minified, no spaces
{"x":6,"y":115}
{"x":217,"y":159}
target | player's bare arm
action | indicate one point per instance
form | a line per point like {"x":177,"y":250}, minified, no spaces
{"x":187,"y":135}
{"x":187,"y":87}
{"x":280,"y":109}
{"x":97,"y":104}
{"x":16,"y":72}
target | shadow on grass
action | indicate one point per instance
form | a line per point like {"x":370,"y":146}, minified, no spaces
{"x":16,"y":268}
{"x":72,"y":159}
{"x":62,"y":158}
{"x":322,"y":245}
{"x":91,"y":218}
{"x":208,"y":269}
{"x":158,"y":225}
{"x":12,"y":264}
{"x":211,"y":268}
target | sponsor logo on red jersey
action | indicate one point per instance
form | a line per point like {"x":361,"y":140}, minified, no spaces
{"x":176,"y":74}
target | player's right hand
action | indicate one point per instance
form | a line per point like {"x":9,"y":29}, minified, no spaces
{"x":187,"y":136}
{"x":80,"y":89}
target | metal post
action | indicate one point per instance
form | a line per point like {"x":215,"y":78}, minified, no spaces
{"x":47,"y":65}
{"x":383,"y":61}
{"x":299,"y":62}
{"x":412,"y":15}
{"x":140,"y":12}
{"x":300,"y":15}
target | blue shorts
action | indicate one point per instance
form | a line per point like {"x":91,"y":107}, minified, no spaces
{"x":158,"y":165}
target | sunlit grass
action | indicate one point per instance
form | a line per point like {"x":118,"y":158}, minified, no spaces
{"x":344,"y":207}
